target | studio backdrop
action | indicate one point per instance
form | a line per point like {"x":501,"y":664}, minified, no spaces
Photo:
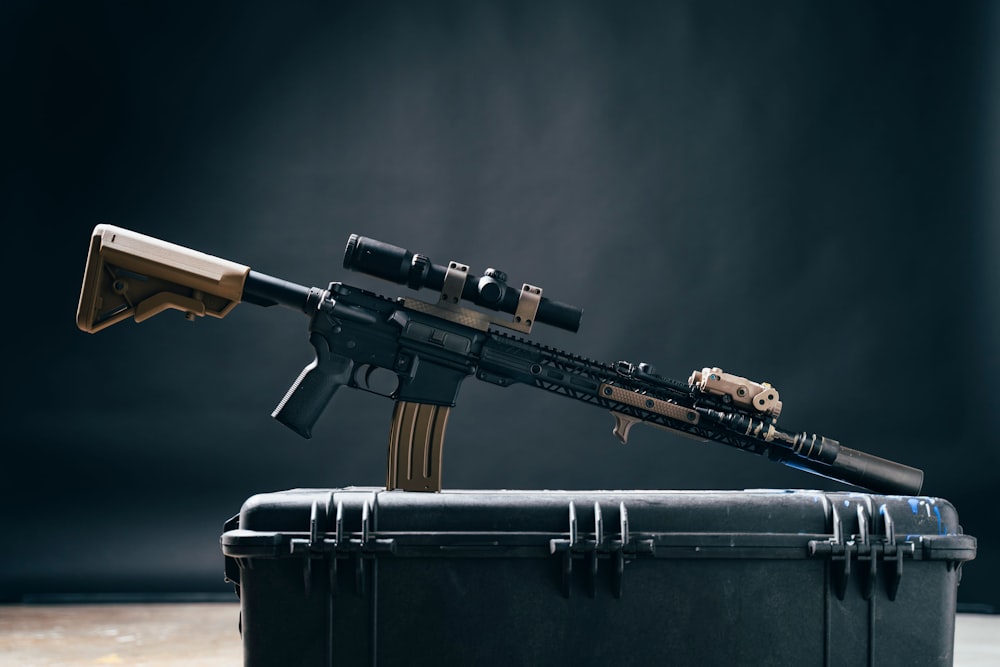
{"x":798,"y":193}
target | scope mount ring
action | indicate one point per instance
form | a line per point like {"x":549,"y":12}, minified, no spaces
{"x":454,"y":283}
{"x":527,"y":308}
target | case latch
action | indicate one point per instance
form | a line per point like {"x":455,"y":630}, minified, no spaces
{"x":865,"y":547}
{"x":619,"y":549}
{"x":318,"y":546}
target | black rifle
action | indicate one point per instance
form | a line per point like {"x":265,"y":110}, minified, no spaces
{"x":419,"y":353}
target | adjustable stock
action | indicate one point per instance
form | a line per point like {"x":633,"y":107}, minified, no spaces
{"x":133,"y":275}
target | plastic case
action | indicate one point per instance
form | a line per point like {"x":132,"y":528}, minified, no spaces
{"x":361,"y":576}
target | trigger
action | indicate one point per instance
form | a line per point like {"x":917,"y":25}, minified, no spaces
{"x":622,"y":425}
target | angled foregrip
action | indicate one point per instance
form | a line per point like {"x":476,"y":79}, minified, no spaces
{"x":415,"y":445}
{"x":312,"y":390}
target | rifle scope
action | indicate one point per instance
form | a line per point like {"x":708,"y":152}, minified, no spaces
{"x":399,"y":265}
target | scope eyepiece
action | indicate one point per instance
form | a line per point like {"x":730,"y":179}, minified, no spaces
{"x":399,"y":265}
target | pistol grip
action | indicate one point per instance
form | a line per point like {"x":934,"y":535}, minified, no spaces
{"x":415,"y":445}
{"x":312,"y":390}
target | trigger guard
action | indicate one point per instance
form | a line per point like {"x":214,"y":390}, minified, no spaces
{"x":364,"y":374}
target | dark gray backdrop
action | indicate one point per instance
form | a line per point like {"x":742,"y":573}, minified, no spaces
{"x":796,"y":192}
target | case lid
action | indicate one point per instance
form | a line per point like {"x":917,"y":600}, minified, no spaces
{"x":592,"y":525}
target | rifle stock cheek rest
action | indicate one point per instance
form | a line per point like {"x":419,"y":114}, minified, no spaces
{"x":130,"y":274}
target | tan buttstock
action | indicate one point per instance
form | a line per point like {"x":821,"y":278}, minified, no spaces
{"x":133,"y":275}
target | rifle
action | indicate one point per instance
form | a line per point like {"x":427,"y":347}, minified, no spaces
{"x":418,"y":353}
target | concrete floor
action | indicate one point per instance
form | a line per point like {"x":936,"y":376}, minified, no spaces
{"x":206,"y":635}
{"x":146,"y":635}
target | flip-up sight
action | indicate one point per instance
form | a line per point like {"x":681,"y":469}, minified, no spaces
{"x":454,"y":283}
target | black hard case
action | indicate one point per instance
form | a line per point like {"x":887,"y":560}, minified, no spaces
{"x":361,"y":576}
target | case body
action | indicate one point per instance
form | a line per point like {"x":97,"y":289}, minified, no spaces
{"x":362,"y":576}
